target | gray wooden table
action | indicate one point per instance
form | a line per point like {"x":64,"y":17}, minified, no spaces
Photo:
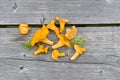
{"x":100,"y":62}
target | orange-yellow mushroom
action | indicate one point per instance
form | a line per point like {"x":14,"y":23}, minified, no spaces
{"x":24,"y":28}
{"x":47,"y":41}
{"x":62,"y":41}
{"x":71,"y":33}
{"x":45,"y":30}
{"x":62,"y":23}
{"x":41,"y":49}
{"x":41,"y":36}
{"x":79,"y":51}
{"x":52,"y":27}
{"x":56,"y":54}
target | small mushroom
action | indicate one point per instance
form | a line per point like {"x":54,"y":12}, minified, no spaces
{"x":79,"y":51}
{"x":56,"y":54}
{"x":63,"y":41}
{"x":41,"y":49}
{"x":24,"y":28}
{"x":62,"y":23}
{"x":41,"y":36}
{"x":71,"y":33}
{"x":52,"y":27}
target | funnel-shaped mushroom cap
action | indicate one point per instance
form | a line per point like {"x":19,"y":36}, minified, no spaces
{"x":37,"y":37}
{"x":62,"y":23}
{"x":45,"y":30}
{"x":71,"y":33}
{"x":24,"y":28}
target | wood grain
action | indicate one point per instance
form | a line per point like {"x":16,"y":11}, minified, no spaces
{"x":78,"y":11}
{"x":101,"y":61}
{"x":37,"y":70}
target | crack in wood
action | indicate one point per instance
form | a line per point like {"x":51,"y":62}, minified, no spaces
{"x":116,"y":56}
{"x":53,"y":61}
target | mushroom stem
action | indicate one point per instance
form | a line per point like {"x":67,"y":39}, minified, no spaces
{"x":63,"y":41}
{"x":58,"y":44}
{"x":74,"y":56}
{"x":47,"y":41}
{"x":52,"y":26}
{"x":56,"y":54}
{"x":61,"y":54}
{"x":62,"y":26}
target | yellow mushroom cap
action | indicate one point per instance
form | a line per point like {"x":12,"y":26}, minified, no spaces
{"x":56,"y":54}
{"x":62,"y":23}
{"x":37,"y":37}
{"x":71,"y":33}
{"x":45,"y":30}
{"x":62,"y":20}
{"x":24,"y":28}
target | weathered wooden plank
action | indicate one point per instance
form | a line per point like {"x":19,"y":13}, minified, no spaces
{"x":101,"y":61}
{"x":102,"y":46}
{"x":78,"y":11}
{"x":37,"y":70}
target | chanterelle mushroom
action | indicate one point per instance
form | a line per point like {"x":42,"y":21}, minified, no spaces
{"x":56,"y":54}
{"x":40,"y":50}
{"x":52,"y":26}
{"x":62,"y":23}
{"x":41,"y":36}
{"x":24,"y":28}
{"x":62,"y":41}
{"x":78,"y":52}
{"x":71,"y":33}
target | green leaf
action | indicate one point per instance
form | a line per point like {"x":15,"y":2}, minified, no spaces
{"x":80,"y":41}
{"x":27,"y":44}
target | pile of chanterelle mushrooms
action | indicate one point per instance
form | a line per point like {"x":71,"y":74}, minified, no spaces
{"x":40,"y":36}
